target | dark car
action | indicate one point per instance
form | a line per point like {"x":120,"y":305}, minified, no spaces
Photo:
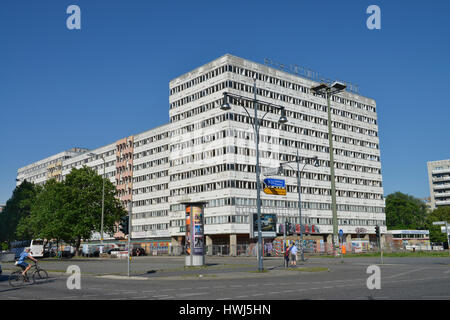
{"x":138,"y":252}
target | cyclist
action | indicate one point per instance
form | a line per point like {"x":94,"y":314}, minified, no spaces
{"x":21,"y":262}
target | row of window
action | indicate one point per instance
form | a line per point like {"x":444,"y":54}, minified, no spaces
{"x":152,"y":139}
{"x":264,"y":93}
{"x":266,"y":78}
{"x":248,"y":152}
{"x":152,"y":151}
{"x":274,"y":125}
{"x":158,"y":187}
{"x":282,"y":204}
{"x":151,"y":176}
{"x":251,"y":185}
{"x":245,"y":219}
{"x":151,"y":214}
{"x":153,"y":163}
{"x":273,"y":140}
{"x":287,"y":172}
{"x":150,"y":227}
{"x":148,"y":202}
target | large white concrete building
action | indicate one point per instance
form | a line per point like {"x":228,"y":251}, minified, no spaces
{"x":439,"y":181}
{"x":208,"y":155}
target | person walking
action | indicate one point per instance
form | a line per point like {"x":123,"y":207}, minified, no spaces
{"x":293,"y":251}
{"x":286,"y":255}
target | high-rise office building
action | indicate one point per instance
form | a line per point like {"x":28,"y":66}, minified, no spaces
{"x":208,"y":155}
{"x":439,"y":181}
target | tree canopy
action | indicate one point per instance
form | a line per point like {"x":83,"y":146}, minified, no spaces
{"x":405,"y":212}
{"x":71,"y":210}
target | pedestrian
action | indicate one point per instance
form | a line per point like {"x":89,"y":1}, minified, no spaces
{"x":293,"y":252}
{"x":286,"y":255}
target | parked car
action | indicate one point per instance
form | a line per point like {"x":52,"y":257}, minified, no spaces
{"x":1,"y":269}
{"x":138,"y":251}
{"x":90,"y":250}
{"x":112,"y":250}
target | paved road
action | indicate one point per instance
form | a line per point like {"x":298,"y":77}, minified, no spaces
{"x":228,"y":278}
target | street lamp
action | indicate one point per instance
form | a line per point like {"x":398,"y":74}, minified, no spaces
{"x":256,"y":126}
{"x":103,"y":200}
{"x":328,"y":91}
{"x":298,"y":160}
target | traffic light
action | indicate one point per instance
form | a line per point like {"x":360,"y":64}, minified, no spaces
{"x":123,"y":225}
{"x":377,"y":231}
{"x":288,"y":227}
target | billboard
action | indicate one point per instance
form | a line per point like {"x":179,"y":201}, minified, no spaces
{"x":275,"y":187}
{"x":268,"y":225}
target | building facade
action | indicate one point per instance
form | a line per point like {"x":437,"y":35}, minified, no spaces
{"x":207,"y":155}
{"x":439,"y":181}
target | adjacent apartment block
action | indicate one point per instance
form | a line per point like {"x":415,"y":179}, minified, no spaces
{"x":207,"y":155}
{"x":439,"y":180}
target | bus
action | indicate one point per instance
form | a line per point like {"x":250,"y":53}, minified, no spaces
{"x":36,"y":247}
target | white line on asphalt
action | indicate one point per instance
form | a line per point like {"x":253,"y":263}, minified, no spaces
{"x":403,"y":273}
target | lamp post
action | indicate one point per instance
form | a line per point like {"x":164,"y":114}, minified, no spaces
{"x":103,"y":201}
{"x":328,"y":91}
{"x":256,"y":126}
{"x":298,"y":160}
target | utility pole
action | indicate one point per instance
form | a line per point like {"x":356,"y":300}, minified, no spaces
{"x":130,"y":205}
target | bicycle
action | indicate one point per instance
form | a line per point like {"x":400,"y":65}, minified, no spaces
{"x":38,"y":275}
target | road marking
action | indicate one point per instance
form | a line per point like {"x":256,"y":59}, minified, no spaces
{"x":159,"y":296}
{"x":144,"y":297}
{"x":403,"y":273}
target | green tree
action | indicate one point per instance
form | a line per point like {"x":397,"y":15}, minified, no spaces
{"x":17,"y":208}
{"x":405,"y":212}
{"x":438,"y":214}
{"x":46,"y":214}
{"x":83,"y":203}
{"x":71,"y":210}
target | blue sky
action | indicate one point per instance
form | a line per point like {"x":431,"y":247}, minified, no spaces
{"x":62,"y":88}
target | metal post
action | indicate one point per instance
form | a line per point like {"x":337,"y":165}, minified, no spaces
{"x":284,"y":243}
{"x":103,"y":204}
{"x":258,"y":182}
{"x":300,"y":207}
{"x":333,"y":186}
{"x":130,"y":205}
{"x":448,"y":238}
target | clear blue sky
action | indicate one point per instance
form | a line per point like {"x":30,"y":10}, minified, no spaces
{"x":63,"y":88}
